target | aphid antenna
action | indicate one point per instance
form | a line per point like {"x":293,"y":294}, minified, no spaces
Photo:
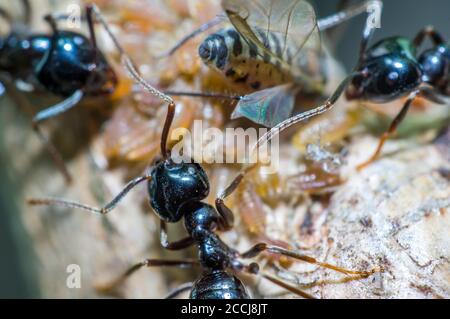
{"x":205,"y":95}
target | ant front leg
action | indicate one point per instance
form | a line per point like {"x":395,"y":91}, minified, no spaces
{"x":392,"y":128}
{"x":430,"y":32}
{"x":109,"y":288}
{"x":176,"y":245}
{"x":261,"y":247}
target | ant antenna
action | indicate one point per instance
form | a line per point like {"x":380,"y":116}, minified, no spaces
{"x":102,"y":210}
{"x":126,"y":60}
{"x":165,"y":133}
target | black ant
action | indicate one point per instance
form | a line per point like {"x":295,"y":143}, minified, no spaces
{"x":388,"y":70}
{"x":64,"y":63}
{"x":176,"y":191}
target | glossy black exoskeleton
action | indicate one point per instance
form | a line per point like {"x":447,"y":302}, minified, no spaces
{"x":74,"y":63}
{"x":176,"y":191}
{"x":388,"y":70}
{"x":63,"y":63}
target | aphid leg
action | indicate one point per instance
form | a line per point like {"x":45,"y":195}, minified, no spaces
{"x":261,"y":247}
{"x":204,"y":27}
{"x":179,"y":290}
{"x":109,"y":287}
{"x":430,"y":32}
{"x":97,"y":210}
{"x":93,"y":10}
{"x":26,"y":6}
{"x":392,"y":128}
{"x":176,"y":245}
{"x":253,"y":269}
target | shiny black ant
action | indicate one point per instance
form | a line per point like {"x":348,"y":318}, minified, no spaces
{"x":64,"y":63}
{"x":176,"y":191}
{"x":388,"y":70}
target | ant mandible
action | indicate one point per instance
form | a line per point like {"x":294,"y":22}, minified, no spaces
{"x":388,"y":70}
{"x":176,"y":191}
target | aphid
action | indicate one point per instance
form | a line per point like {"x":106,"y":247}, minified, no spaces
{"x":176,"y":191}
{"x":63,"y":63}
{"x":271,"y":49}
{"x":388,"y":70}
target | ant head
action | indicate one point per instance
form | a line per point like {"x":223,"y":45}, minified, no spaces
{"x":174,"y":184}
{"x":435,"y":64}
{"x":74,"y":63}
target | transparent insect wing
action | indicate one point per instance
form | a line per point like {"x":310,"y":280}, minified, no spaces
{"x":290,"y":24}
{"x":267,"y":107}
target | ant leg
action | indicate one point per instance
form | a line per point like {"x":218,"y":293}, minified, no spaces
{"x":204,"y":27}
{"x":288,"y":287}
{"x":224,"y":211}
{"x":54,"y":153}
{"x":103,"y":210}
{"x":111,"y":286}
{"x":59,"y":108}
{"x":392,"y":128}
{"x":253,"y":269}
{"x":430,"y":32}
{"x":90,"y":23}
{"x":176,"y":245}
{"x":369,"y":29}
{"x":433,"y":95}
{"x":6,"y":16}
{"x":261,"y":247}
{"x":179,"y":290}
{"x":345,"y":14}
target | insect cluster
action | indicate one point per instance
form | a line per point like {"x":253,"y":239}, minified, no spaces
{"x":230,"y":64}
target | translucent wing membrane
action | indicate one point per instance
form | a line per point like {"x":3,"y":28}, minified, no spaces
{"x":268,"y":107}
{"x":280,"y":29}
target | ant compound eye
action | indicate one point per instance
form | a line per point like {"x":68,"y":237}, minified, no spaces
{"x":173,"y":185}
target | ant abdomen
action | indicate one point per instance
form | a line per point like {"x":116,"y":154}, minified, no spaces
{"x":218,"y":285}
{"x":174,"y":184}
{"x":74,"y":63}
{"x":19,"y":55}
